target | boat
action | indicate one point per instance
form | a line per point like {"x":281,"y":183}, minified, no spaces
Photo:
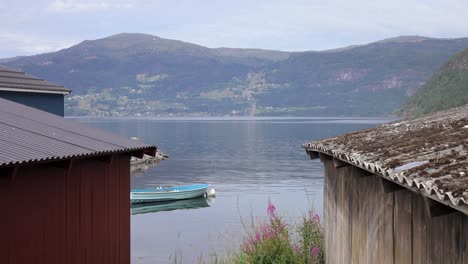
{"x":143,"y":208}
{"x":160,"y":194}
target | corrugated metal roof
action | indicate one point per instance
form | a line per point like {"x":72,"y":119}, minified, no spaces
{"x":14,"y":80}
{"x":30,"y":135}
{"x":428,"y":153}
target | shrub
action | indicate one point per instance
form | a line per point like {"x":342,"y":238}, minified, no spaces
{"x":311,"y":249}
{"x":271,"y":242}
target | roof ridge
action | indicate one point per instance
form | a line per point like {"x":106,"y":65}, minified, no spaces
{"x":22,"y":76}
{"x":45,"y":85}
{"x":7,"y":69}
{"x":13,"y":76}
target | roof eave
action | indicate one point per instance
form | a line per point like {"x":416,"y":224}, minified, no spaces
{"x":312,"y":151}
{"x":63,"y":92}
{"x":139,"y":153}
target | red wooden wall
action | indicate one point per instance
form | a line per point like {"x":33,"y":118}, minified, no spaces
{"x":79,"y":214}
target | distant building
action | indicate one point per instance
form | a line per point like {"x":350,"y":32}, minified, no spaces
{"x":25,"y":89}
{"x":64,"y":189}
{"x":398,"y":192}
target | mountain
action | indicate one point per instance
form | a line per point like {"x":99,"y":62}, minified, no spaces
{"x":5,"y":60}
{"x":404,"y":39}
{"x":117,"y":60}
{"x":252,"y":57}
{"x":139,"y":74}
{"x":447,"y":88}
{"x":371,"y":79}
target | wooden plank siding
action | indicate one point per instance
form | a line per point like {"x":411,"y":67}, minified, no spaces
{"x":373,"y":221}
{"x":435,"y":240}
{"x":364,"y":224}
{"x":61,"y":215}
{"x":386,"y":213}
{"x":464,"y":242}
{"x":403,"y":225}
{"x":328,"y":203}
{"x":419,"y":230}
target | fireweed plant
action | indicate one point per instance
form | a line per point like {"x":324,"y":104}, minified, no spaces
{"x":272,"y":241}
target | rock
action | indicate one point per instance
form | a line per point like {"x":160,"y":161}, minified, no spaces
{"x":143,"y":164}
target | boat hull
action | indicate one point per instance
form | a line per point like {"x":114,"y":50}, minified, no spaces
{"x":168,"y":194}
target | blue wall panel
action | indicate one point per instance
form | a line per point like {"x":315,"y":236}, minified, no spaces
{"x":52,"y":103}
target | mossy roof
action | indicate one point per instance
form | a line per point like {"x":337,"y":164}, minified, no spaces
{"x":429,"y":153}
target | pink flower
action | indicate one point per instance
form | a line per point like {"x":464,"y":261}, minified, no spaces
{"x":271,"y":209}
{"x":297,"y":249}
{"x":246,"y":247}
{"x":257,"y":237}
{"x":316,"y":218}
{"x":314,"y":251}
{"x":267,"y":232}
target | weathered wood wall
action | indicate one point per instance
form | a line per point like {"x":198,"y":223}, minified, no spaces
{"x":364,"y":224}
{"x":55,"y":214}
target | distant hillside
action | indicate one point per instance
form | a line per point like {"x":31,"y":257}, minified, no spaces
{"x":447,"y":88}
{"x":371,"y":79}
{"x":252,"y":57}
{"x":139,"y":74}
{"x":117,"y":60}
{"x":404,"y":39}
{"x":5,"y":60}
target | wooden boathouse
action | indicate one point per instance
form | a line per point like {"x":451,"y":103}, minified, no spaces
{"x":26,"y":89}
{"x":64,"y":189}
{"x":398,"y":192}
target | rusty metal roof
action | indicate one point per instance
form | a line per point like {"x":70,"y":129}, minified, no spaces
{"x":29,"y":135}
{"x":13,"y":80}
{"x":429,"y":154}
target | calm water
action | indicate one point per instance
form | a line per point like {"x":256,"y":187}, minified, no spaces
{"x":248,"y":161}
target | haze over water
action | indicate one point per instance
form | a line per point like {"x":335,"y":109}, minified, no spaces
{"x":247,"y":160}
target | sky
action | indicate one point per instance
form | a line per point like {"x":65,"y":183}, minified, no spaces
{"x":39,"y":26}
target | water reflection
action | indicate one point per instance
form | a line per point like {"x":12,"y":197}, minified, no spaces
{"x":145,"y":208}
{"x":248,"y":161}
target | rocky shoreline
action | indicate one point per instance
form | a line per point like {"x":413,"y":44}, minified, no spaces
{"x":141,"y":165}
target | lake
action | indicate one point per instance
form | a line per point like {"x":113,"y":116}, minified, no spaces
{"x":249,"y":161}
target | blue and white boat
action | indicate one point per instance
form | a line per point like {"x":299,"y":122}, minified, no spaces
{"x":160,"y":194}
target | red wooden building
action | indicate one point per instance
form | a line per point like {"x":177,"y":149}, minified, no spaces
{"x":64,"y":189}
